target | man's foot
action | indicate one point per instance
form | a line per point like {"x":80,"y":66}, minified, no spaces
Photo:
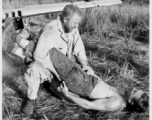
{"x":28,"y":107}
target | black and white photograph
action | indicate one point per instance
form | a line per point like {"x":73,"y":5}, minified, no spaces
{"x":75,"y":60}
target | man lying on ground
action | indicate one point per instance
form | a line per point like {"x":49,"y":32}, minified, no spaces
{"x":135,"y":100}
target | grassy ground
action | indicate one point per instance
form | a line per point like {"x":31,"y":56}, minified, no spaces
{"x":116,"y":39}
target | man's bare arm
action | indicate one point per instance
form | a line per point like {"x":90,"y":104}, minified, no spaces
{"x":104,"y":104}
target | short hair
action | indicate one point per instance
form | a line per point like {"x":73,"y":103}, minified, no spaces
{"x":139,"y":105}
{"x":142,"y":103}
{"x":71,"y":9}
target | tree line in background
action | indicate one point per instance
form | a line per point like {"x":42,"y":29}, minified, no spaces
{"x":139,"y":2}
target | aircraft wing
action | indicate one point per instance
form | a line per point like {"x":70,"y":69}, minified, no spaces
{"x":55,"y":7}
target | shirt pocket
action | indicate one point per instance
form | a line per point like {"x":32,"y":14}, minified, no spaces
{"x":62,"y":47}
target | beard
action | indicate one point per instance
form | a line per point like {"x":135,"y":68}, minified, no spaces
{"x":67,"y":29}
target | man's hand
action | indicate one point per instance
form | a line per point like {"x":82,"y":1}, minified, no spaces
{"x":64,"y":89}
{"x":88,"y":70}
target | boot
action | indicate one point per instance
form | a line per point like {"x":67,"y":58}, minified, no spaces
{"x":28,"y":107}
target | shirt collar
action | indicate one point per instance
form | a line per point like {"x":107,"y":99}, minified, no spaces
{"x":60,"y":28}
{"x":59,"y":24}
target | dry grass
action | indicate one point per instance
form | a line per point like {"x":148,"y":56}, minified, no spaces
{"x":117,"y":43}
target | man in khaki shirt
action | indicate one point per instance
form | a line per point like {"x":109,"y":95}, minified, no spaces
{"x":69,"y":43}
{"x":63,"y":35}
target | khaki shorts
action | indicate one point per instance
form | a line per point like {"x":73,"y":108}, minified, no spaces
{"x":75,"y":78}
{"x":76,"y":84}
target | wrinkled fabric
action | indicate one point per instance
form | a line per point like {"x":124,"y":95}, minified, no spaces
{"x":54,"y":36}
{"x":36,"y":74}
{"x":76,"y":79}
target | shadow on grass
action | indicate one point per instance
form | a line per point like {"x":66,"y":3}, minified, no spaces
{"x":16,"y":84}
{"x":49,"y":89}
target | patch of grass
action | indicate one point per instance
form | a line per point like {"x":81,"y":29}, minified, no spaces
{"x":118,"y":34}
